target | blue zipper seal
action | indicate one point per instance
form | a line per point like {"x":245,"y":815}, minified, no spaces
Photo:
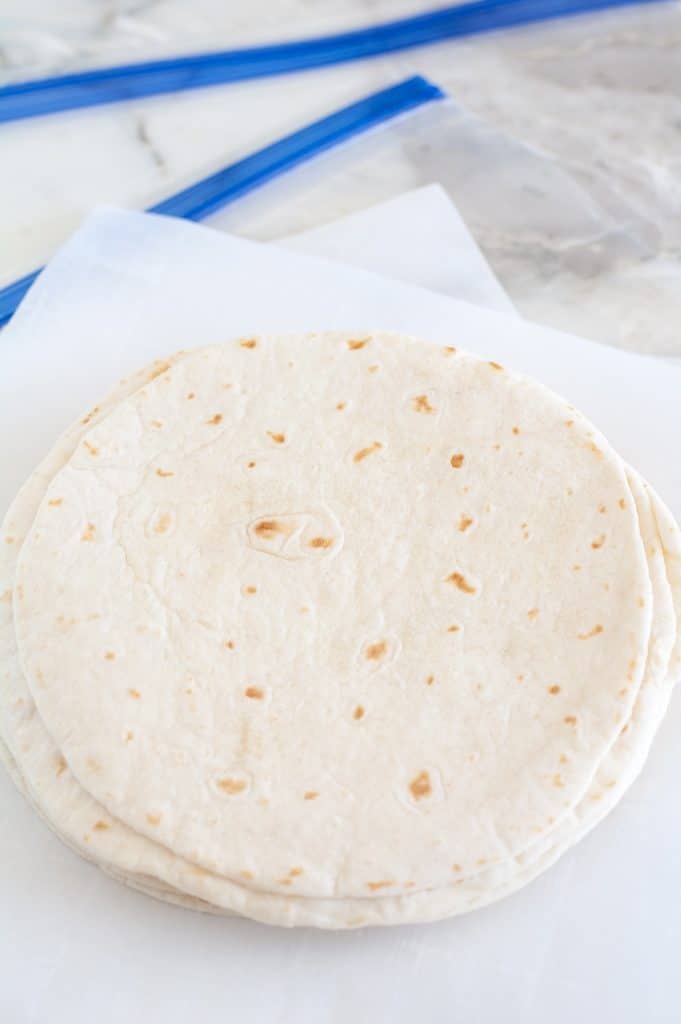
{"x":133,"y":81}
{"x":199,"y":200}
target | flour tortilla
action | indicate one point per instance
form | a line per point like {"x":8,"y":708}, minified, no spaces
{"x":577,"y":456}
{"x":341,"y":913}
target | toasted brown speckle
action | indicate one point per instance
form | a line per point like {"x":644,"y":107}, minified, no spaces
{"x":60,"y":765}
{"x":229,"y":644}
{"x":375,"y":651}
{"x":247,"y":875}
{"x":154,"y":819}
{"x":453,"y":629}
{"x":129,"y":736}
{"x":449,"y":350}
{"x":93,"y":765}
{"x":622,"y":503}
{"x":310,"y":794}
{"x":457,"y":868}
{"x":420,"y":403}
{"x":464,"y":523}
{"x":162,"y":523}
{"x":516,"y":430}
{"x":55,"y":502}
{"x":191,"y":395}
{"x":374,"y":368}
{"x":364,"y":452}
{"x":100,"y":826}
{"x":554,"y":690}
{"x":374,"y":886}
{"x":254,"y":693}
{"x":321,"y":542}
{"x":92,"y":449}
{"x":592,"y":632}
{"x":215,"y":420}
{"x":89,"y":532}
{"x":164,"y":472}
{"x":599,"y":542}
{"x":420,"y":786}
{"x":459,"y":581}
{"x":277,"y":438}
{"x":341,"y":405}
{"x":558,"y":781}
{"x":430,"y":680}
{"x":358,"y":713}
{"x":231,"y":786}
{"x":456,"y":461}
{"x":496,"y":366}
{"x":248,"y":343}
{"x":250,"y":465}
{"x":570,"y":720}
{"x":251,"y":590}
{"x":110,"y":655}
{"x":135,"y":694}
{"x":355,"y":344}
{"x":533,"y":613}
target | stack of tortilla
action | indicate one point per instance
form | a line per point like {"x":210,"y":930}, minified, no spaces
{"x":333,"y":629}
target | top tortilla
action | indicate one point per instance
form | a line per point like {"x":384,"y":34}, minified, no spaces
{"x":353,"y":529}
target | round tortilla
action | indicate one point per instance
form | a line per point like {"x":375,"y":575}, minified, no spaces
{"x":390,"y":800}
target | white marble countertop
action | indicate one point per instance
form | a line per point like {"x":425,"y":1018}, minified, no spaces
{"x":562,"y":149}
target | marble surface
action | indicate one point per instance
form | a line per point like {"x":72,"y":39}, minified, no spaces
{"x":561,"y":146}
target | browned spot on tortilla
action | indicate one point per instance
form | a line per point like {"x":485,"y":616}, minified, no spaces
{"x":570,"y":492}
{"x":520,"y":677}
{"x":89,"y":532}
{"x":563,"y":759}
{"x":641,"y":602}
{"x":129,"y":736}
{"x":157,"y":424}
{"x":93,"y":412}
{"x":456,"y":461}
{"x":603,"y":509}
{"x":374,"y":368}
{"x":420,"y":403}
{"x":430,"y":680}
{"x":321,"y":542}
{"x":162,"y":523}
{"x":231,"y":786}
{"x":624,"y":729}
{"x":449,"y":350}
{"x":554,"y":689}
{"x":164,"y":472}
{"x":533,"y":613}
{"x":6,"y":596}
{"x":481,"y":861}
{"x":496,"y":366}
{"x":254,"y":692}
{"x":93,"y":450}
{"x":250,"y":465}
{"x":516,"y":430}
{"x":135,"y":694}
{"x":623,"y":692}
{"x":354,"y":346}
{"x":93,"y":765}
{"x":100,"y":826}
{"x":229,"y":645}
{"x":296,"y":872}
{"x":154,"y":819}
{"x":340,"y":405}
{"x":55,"y":502}
{"x":570,"y":720}
{"x":594,"y":448}
{"x":369,"y":450}
{"x":622,"y":503}
{"x":610,"y":783}
{"x":192,"y":394}
{"x":453,"y":629}
{"x":464,"y":523}
{"x":374,"y":886}
{"x":592,"y":632}
{"x":268,"y":527}
{"x":457,"y":868}
{"x":569,"y":423}
{"x":285,"y":881}
{"x":631,"y":668}
{"x":375,"y":651}
{"x":248,"y":343}
{"x":110,"y":655}
{"x":420,"y":786}
{"x":558,"y":782}
{"x":160,"y":367}
{"x":310,"y":794}
{"x":214,"y":420}
{"x":61,"y":765}
{"x":251,"y":590}
{"x":247,"y":875}
{"x":599,"y":542}
{"x":358,"y":713}
{"x":277,"y":438}
{"x":576,"y":568}
{"x":459,"y":580}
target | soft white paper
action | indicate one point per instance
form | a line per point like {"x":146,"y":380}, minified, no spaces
{"x":597,"y":938}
